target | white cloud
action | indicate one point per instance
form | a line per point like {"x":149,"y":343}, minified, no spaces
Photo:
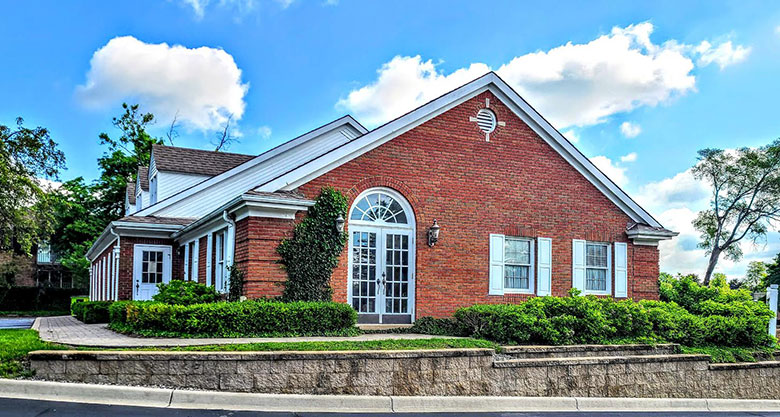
{"x":264,"y":132}
{"x":572,"y":135}
{"x":777,"y":29}
{"x":242,"y":6}
{"x":631,"y":157}
{"x":614,"y":171}
{"x":404,"y":83}
{"x":681,"y":190}
{"x":202,"y":84}
{"x":571,"y":85}
{"x":630,"y":130}
{"x":724,"y":54}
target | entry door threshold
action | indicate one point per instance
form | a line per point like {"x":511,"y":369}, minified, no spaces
{"x":366,"y":326}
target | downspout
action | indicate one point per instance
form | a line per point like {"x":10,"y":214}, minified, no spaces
{"x":229,"y":248}
{"x":115,"y":272}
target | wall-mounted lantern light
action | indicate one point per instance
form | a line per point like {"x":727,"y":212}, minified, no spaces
{"x":340,"y":224}
{"x":433,"y":233}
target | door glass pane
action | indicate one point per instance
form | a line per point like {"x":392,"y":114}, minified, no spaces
{"x":364,"y":264}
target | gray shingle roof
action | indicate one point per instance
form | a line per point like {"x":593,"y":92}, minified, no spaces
{"x":644,"y":228}
{"x":195,"y":161}
{"x":143,"y":178}
{"x":130,"y":193}
{"x":288,"y":195}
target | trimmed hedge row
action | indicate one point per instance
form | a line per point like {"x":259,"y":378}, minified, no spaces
{"x":255,"y":318}
{"x":90,"y":311}
{"x":592,"y":320}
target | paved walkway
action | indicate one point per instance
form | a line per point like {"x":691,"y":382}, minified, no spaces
{"x":69,"y":331}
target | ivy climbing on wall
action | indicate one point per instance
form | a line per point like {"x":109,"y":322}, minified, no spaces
{"x":311,"y":255}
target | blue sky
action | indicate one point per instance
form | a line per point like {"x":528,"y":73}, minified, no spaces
{"x":639,"y":87}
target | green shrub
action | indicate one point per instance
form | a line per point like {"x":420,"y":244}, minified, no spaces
{"x":91,"y":311}
{"x":311,"y":255}
{"x":584,"y":320}
{"x":117,"y":312}
{"x":235,"y":319}
{"x":185,"y":293}
{"x":437,"y":326}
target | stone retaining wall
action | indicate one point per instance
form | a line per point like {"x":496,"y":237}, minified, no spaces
{"x":429,"y":372}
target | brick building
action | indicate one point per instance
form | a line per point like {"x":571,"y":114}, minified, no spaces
{"x":471,"y":198}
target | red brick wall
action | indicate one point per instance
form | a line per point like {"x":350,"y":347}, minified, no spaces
{"x":514,"y":184}
{"x":256,"y":243}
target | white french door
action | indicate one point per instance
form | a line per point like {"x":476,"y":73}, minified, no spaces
{"x":381,"y":284}
{"x":151,"y":266}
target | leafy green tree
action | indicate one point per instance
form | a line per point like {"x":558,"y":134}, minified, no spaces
{"x":26,"y":155}
{"x":755,"y":276}
{"x":75,"y":227}
{"x":125,"y":154}
{"x":745,"y":200}
{"x":773,"y":272}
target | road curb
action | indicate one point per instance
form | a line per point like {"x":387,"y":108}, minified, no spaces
{"x":85,"y":393}
{"x":214,"y":400}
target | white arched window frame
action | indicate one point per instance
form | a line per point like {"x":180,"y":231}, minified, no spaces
{"x":382,"y":207}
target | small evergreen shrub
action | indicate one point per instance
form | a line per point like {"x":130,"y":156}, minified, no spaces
{"x":185,"y":293}
{"x":91,"y":311}
{"x":237,"y":279}
{"x":253,"y":318}
{"x":437,"y":326}
{"x":310,"y":256}
{"x":117,"y":311}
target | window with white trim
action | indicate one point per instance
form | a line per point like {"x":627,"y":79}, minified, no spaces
{"x":597,"y":267}
{"x":518,"y":264}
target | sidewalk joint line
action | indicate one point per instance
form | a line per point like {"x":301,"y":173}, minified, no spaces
{"x":170,"y":399}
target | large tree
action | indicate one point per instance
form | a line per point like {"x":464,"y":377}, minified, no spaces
{"x":76,"y":226}
{"x":121,"y":161}
{"x":745,"y":199}
{"x":26,"y":156}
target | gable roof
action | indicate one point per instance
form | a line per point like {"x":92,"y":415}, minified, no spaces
{"x":195,"y":161}
{"x":327,"y":161}
{"x":142,"y":179}
{"x":130,"y":192}
{"x":345,"y":129}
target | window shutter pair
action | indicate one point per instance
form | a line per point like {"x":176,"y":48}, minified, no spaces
{"x":543,"y":265}
{"x":621,"y":267}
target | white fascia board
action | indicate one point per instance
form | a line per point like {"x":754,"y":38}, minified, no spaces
{"x":346,"y":120}
{"x":243,"y":206}
{"x":128,"y":229}
{"x":520,"y":107}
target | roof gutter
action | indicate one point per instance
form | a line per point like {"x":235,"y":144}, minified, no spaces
{"x":115,"y":228}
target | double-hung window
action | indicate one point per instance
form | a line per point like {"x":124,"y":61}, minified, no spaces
{"x":518,"y":260}
{"x":597,"y":267}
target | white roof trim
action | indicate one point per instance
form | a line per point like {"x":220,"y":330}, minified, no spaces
{"x":151,"y":210}
{"x":330,"y":160}
{"x":129,"y":229}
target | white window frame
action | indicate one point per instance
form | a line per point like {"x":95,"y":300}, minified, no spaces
{"x":153,"y":189}
{"x":608,"y":269}
{"x":531,"y":267}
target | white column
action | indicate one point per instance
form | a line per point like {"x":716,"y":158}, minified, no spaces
{"x":116,"y":273}
{"x":772,"y":294}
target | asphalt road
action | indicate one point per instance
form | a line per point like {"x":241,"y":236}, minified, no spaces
{"x":25,"y":408}
{"x":16,"y":323}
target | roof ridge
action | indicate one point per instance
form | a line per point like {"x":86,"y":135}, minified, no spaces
{"x":160,"y":145}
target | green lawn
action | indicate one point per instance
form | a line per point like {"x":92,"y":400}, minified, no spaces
{"x":396,"y":344}
{"x":15,"y":344}
{"x":730,"y":354}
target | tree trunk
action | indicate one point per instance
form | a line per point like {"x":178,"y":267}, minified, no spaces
{"x":711,"y":265}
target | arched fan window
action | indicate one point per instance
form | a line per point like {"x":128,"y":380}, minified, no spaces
{"x":379,"y":207}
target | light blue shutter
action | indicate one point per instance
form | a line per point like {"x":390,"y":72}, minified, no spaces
{"x":544,"y":266}
{"x":621,"y":270}
{"x":496,"y":265}
{"x":578,"y":264}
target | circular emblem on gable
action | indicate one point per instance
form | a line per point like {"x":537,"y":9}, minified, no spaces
{"x":486,"y":120}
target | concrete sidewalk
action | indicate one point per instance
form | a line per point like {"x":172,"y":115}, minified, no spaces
{"x":69,"y":331}
{"x":214,"y":400}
